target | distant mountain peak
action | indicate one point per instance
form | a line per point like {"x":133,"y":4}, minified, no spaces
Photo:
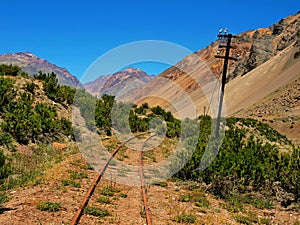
{"x":23,"y":54}
{"x":119,"y":82}
{"x":32,"y":64}
{"x":133,"y":70}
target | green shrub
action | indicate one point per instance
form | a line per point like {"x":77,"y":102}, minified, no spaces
{"x":185,"y":197}
{"x":71,"y":183}
{"x":109,"y":191}
{"x":11,"y":70}
{"x":30,"y":87}
{"x":261,"y":203}
{"x":123,"y":195}
{"x":49,"y":206}
{"x":185,"y":218}
{"x":106,"y":192}
{"x":104,"y":200}
{"x":78,"y":175}
{"x":26,"y":122}
{"x":243,"y":220}
{"x":160,"y":183}
{"x":202,"y":203}
{"x":103,"y":109}
{"x":243,"y":159}
{"x":96,"y":212}
{"x":199,"y":199}
{"x":234,"y":203}
{"x":54,"y":91}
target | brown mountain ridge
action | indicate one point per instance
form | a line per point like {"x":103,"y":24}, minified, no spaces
{"x":264,"y":55}
{"x":118,"y":83}
{"x":32,"y":64}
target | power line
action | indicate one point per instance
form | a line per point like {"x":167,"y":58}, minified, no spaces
{"x":214,"y":90}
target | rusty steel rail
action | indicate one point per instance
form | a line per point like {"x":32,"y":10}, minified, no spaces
{"x":90,"y":192}
{"x":147,"y":209}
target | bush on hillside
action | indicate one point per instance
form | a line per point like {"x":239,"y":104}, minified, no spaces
{"x":54,"y":91}
{"x":27,"y":121}
{"x":10,"y":70}
{"x":244,"y":160}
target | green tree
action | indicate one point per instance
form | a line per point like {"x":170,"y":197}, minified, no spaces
{"x":51,"y":85}
{"x":11,"y":70}
{"x":103,"y":113}
{"x":30,"y":87}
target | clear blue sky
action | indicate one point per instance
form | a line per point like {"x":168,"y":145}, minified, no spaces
{"x":73,"y":34}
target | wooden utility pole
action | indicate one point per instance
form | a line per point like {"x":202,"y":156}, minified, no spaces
{"x":226,"y":58}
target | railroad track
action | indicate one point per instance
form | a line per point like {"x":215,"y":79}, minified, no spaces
{"x":147,"y":209}
{"x":79,"y":212}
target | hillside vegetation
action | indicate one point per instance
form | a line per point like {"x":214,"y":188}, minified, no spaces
{"x":25,"y":118}
{"x":34,"y":112}
{"x":252,"y":157}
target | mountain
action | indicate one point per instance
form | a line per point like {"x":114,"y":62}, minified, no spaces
{"x":118,"y":83}
{"x":254,"y":48}
{"x":268,"y":59}
{"x":32,"y":64}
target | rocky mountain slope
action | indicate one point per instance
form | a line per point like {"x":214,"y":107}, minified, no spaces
{"x":280,"y":110}
{"x":32,"y":64}
{"x":118,"y":83}
{"x":268,"y":59}
{"x":254,"y":48}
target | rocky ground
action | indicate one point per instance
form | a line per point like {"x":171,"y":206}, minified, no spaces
{"x":67,"y":182}
{"x":280,"y":110}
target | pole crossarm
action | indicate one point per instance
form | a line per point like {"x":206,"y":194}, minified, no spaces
{"x":223,"y":57}
{"x":225,"y":46}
